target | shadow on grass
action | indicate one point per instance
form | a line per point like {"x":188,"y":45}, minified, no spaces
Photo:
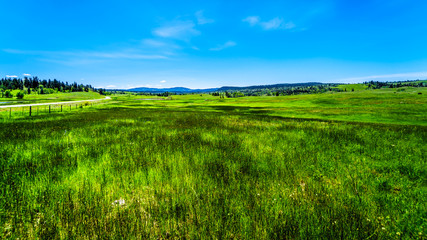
{"x":81,"y":119}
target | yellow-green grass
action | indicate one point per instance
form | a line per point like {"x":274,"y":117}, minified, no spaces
{"x":54,"y":97}
{"x":200,"y":167}
{"x":379,"y":106}
{"x":350,"y":87}
{"x":15,"y":112}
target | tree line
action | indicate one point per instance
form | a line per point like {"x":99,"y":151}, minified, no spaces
{"x":409,"y":83}
{"x":42,"y":86}
{"x":276,"y":90}
{"x":279,"y":91}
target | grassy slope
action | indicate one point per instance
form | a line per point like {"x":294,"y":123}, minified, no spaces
{"x":198,"y":167}
{"x":355,"y":87}
{"x":44,"y":98}
{"x":55,"y":97}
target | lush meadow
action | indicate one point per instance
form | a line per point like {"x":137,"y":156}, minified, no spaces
{"x":345,"y":165}
{"x":46,"y":98}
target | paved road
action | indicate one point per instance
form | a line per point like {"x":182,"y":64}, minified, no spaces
{"x":54,"y":103}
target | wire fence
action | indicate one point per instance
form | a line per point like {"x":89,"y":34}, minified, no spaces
{"x":14,"y":112}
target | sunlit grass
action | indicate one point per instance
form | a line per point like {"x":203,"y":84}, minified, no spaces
{"x":200,"y":167}
{"x":54,"y":97}
{"x":379,"y":106}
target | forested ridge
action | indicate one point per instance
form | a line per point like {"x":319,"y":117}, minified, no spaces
{"x":42,"y":86}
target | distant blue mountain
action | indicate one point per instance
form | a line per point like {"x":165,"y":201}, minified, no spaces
{"x":221,"y":89}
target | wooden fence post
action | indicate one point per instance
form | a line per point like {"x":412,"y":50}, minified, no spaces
{"x":30,"y":111}
{"x":61,"y":108}
{"x":49,"y":108}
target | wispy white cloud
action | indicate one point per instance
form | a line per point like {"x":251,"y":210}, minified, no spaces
{"x":396,"y":76}
{"x":164,"y":47}
{"x":275,"y":23}
{"x":272,"y":24}
{"x":223,"y":46}
{"x":252,"y":20}
{"x":11,"y":76}
{"x":163,"y":81}
{"x":86,"y":55}
{"x":123,"y":55}
{"x":71,"y":61}
{"x":201,"y":19}
{"x":27,"y":52}
{"x":155,"y":43}
{"x":110,"y":86}
{"x":182,"y":30}
{"x":26,"y":74}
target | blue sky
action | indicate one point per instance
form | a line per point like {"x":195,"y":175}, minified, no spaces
{"x":203,"y":44}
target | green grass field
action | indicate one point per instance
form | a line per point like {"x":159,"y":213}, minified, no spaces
{"x":46,"y":98}
{"x":348,"y":165}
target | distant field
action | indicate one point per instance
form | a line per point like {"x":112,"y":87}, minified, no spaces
{"x":350,"y":87}
{"x":348,"y":165}
{"x":404,"y":106}
{"x":55,"y":97}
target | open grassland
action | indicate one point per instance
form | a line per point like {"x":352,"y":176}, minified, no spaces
{"x":46,"y":98}
{"x":334,"y":166}
{"x":405,"y":106}
{"x":352,"y":87}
